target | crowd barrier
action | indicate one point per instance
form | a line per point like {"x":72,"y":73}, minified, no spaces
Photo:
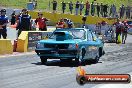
{"x":55,"y":17}
{"x":6,"y":46}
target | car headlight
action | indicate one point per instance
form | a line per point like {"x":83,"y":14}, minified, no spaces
{"x":73,"y":46}
{"x":40,"y":45}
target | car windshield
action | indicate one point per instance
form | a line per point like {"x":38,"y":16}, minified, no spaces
{"x":76,"y":34}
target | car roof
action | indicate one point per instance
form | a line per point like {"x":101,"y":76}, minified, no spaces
{"x":65,"y":29}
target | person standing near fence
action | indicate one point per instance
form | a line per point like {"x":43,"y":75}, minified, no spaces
{"x":101,"y":9}
{"x":3,"y":23}
{"x":77,"y":7}
{"x":63,"y":6}
{"x":54,"y":6}
{"x":13,"y":18}
{"x":128,"y":12}
{"x":113,"y":9}
{"x":87,"y":8}
{"x":92,"y":8}
{"x":81,"y":7}
{"x":98,"y":9}
{"x":71,"y":6}
{"x":105,"y":10}
{"x":122,"y":11}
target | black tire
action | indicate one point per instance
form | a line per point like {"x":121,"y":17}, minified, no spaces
{"x":96,"y":60}
{"x":81,"y":80}
{"x":43,"y":60}
{"x":77,"y":60}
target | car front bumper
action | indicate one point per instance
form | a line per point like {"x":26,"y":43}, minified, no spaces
{"x":57,"y":54}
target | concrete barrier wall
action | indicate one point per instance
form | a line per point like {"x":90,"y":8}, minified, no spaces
{"x":22,"y":42}
{"x":6,"y":46}
{"x":54,"y":17}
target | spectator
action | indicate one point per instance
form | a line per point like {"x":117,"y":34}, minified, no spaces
{"x":118,"y":26}
{"x":60,"y":24}
{"x":101,"y":9}
{"x":24,"y":22}
{"x":49,"y":5}
{"x":128,"y":12}
{"x":113,"y":10}
{"x":54,"y":5}
{"x":87,"y":8}
{"x":63,"y":6}
{"x":104,"y":28}
{"x":33,"y":25}
{"x":41,"y":22}
{"x":105,"y":10}
{"x":17,"y":16}
{"x":68,"y":23}
{"x":3,"y":24}
{"x":13,"y":18}
{"x":84,"y":21}
{"x":81,"y":7}
{"x":98,"y":9}
{"x":124,"y":32}
{"x":71,"y":6}
{"x":92,"y":8}
{"x":122,"y":11}
{"x":110,"y":11}
{"x":77,"y":7}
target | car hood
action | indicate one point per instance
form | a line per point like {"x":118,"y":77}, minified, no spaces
{"x":62,"y":42}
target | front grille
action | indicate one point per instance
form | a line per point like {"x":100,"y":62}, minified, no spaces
{"x":57,"y":46}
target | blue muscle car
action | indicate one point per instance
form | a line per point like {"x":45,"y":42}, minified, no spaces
{"x":75,"y":43}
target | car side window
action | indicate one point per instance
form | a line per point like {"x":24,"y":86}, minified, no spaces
{"x":69,"y":37}
{"x":94,"y":36}
{"x":90,"y":38}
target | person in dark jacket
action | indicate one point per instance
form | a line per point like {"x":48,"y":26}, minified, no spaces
{"x":92,"y":8}
{"x":71,"y":6}
{"x":81,"y":7}
{"x":24,"y":22}
{"x":105,"y":10}
{"x":77,"y":7}
{"x":54,"y":5}
{"x":101,"y":9}
{"x":124,"y":31}
{"x":63,"y":6}
{"x":13,"y":18}
{"x":98,"y":9}
{"x":3,"y":23}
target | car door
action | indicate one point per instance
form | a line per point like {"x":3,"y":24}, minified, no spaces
{"x":96,"y":45}
{"x":92,"y":45}
{"x":89,"y":45}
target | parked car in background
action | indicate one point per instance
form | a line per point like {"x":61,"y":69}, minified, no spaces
{"x":70,"y":43}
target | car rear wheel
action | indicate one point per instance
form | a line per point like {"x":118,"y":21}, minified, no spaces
{"x":43,"y":60}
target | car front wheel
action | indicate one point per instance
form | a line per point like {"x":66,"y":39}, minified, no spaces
{"x":43,"y":60}
{"x":80,"y":58}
